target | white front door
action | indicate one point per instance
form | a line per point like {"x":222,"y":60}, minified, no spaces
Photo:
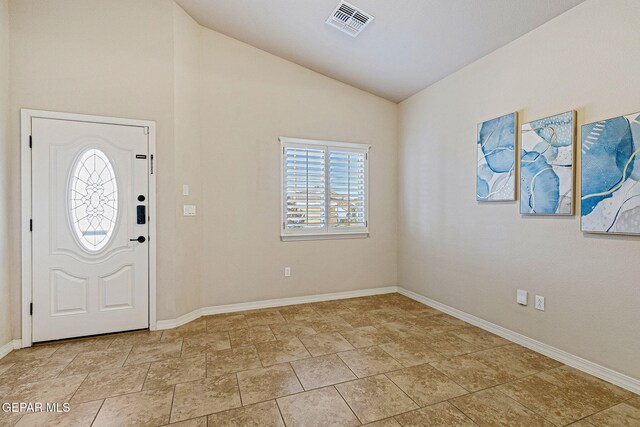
{"x":90,"y":193}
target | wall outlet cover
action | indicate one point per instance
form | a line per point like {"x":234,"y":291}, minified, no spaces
{"x":189,"y":210}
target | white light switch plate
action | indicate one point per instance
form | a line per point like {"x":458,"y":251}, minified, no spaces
{"x":287,"y":272}
{"x":185,"y":189}
{"x":521,"y":297}
{"x":189,"y":210}
{"x":539,"y":303}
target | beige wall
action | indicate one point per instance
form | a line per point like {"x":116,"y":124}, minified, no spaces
{"x":5,"y":164}
{"x":112,"y":58}
{"x":473,"y":256}
{"x":248,"y":98}
{"x":219,"y":106}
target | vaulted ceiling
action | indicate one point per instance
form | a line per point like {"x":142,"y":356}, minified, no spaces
{"x":409,"y":45}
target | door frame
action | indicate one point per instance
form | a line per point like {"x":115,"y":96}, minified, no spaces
{"x":26,"y":214}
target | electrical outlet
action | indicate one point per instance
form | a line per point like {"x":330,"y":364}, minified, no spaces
{"x":287,"y":272}
{"x":522,"y":296}
{"x":539,"y":303}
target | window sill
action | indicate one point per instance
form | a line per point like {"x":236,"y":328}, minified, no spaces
{"x":323,"y":236}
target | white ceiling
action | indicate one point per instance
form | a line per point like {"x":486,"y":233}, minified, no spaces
{"x":410,"y":44}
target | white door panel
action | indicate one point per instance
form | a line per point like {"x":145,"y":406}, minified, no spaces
{"x":88,"y":276}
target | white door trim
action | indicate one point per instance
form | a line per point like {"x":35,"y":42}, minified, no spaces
{"x":26,"y":214}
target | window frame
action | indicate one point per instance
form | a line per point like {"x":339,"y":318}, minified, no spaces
{"x":328,"y":231}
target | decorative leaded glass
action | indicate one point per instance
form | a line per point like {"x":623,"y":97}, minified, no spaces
{"x":93,"y":196}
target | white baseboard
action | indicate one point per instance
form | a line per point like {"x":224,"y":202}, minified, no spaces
{"x":230,"y":308}
{"x":9,"y":347}
{"x":607,"y":374}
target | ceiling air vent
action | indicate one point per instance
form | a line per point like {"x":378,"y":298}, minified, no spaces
{"x":349,"y":19}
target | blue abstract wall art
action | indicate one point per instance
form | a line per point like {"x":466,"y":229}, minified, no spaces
{"x":610,"y":157}
{"x":496,"y":177}
{"x":546,"y":165}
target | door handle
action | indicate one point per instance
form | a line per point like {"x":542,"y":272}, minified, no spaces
{"x":139,"y":239}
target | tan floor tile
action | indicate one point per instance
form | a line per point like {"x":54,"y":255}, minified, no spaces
{"x":98,"y":360}
{"x":252,"y":335}
{"x":4,"y":366}
{"x":154,"y":351}
{"x":635,"y":402}
{"x":425,"y":384}
{"x":586,"y":388}
{"x":173,"y":371}
{"x":317,"y":408}
{"x":515,"y":360}
{"x":263,"y":384}
{"x":8,"y":419}
{"x":325,"y":343}
{"x":298,"y":312}
{"x":451,"y":345}
{"x":291,"y":329}
{"x":111,"y":382}
{"x":272,"y":353}
{"x":547,"y":400}
{"x":621,"y":415}
{"x":53,"y":390}
{"x":264,"y":414}
{"x":375,"y":398}
{"x":322,"y":371}
{"x":30,"y":353}
{"x":231,"y":361}
{"x":369,"y":361}
{"x":133,"y":338}
{"x":146,"y":408}
{"x":389,"y":422}
{"x":32,"y":370}
{"x":479,"y":337}
{"x":221,"y":323}
{"x":581,"y":423}
{"x":411,"y":352}
{"x":356,"y":319}
{"x":264,"y":318}
{"x":205,"y":343}
{"x":366,"y":336}
{"x":450,"y":319}
{"x":470,"y":373}
{"x":492,"y":408}
{"x":204,"y":397}
{"x":198,"y":326}
{"x":81,"y":415}
{"x":441,"y":415}
{"x":329,"y":325}
{"x":70,"y":349}
{"x":193,"y":422}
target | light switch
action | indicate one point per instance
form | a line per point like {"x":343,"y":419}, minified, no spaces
{"x":185,"y":189}
{"x":189,"y":210}
{"x":521,"y":297}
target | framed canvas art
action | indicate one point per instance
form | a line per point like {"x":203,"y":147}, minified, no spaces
{"x":610,"y":178}
{"x":496,"y":175}
{"x":546,"y":165}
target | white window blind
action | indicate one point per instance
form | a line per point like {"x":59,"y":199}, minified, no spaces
{"x":324,"y":189}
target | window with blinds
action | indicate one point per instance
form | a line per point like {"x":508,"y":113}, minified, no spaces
{"x":324,"y":189}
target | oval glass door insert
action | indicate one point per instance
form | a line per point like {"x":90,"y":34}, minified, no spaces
{"x":93,"y":199}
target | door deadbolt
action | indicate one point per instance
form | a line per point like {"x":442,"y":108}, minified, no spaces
{"x":139,"y":239}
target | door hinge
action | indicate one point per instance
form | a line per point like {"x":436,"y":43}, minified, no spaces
{"x":30,"y":225}
{"x":30,"y":141}
{"x":31,"y":309}
{"x":151,"y":163}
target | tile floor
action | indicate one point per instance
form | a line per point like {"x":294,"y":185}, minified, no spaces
{"x":385,"y":360}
